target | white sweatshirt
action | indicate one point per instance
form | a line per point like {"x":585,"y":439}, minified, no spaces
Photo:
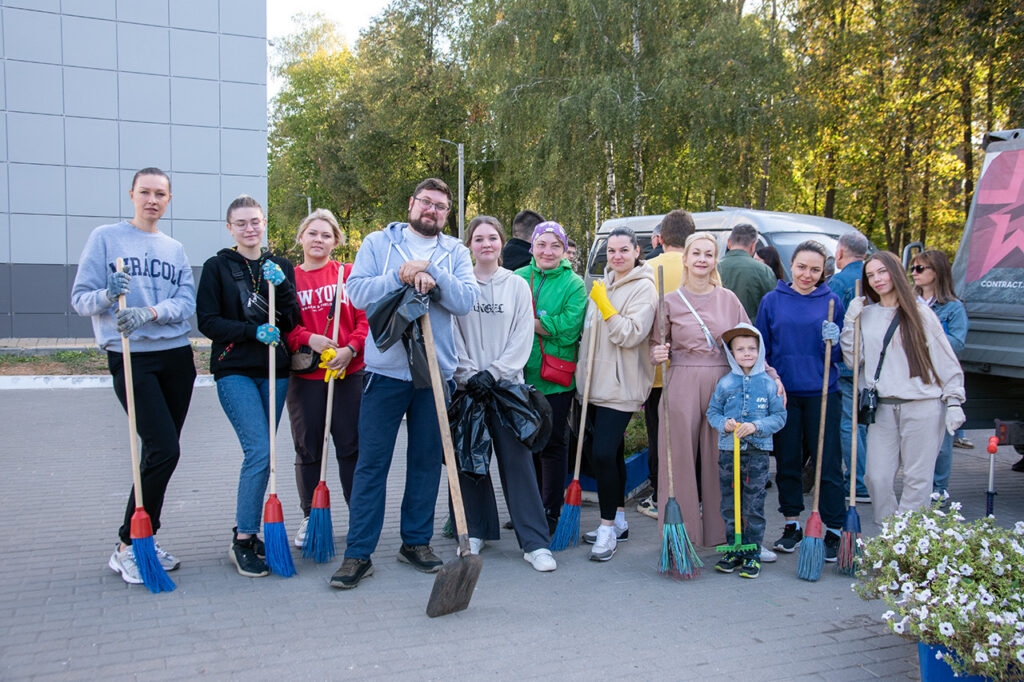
{"x":497,"y":334}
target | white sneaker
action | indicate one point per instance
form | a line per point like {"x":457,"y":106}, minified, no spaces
{"x":767,"y":556}
{"x":124,"y":563}
{"x":648,"y":507}
{"x":604,"y":547}
{"x":475,"y":545}
{"x":621,"y":534}
{"x":541,"y":560}
{"x":300,"y":535}
{"x":167,"y":560}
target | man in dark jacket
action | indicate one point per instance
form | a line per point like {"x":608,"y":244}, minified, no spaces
{"x":516,"y":253}
{"x":741,"y":274}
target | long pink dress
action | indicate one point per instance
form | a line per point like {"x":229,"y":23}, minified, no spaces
{"x":693,"y":372}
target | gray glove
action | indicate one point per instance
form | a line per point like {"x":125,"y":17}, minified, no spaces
{"x":855,"y":308}
{"x":117,"y":284}
{"x":830,"y":332}
{"x":130,"y":319}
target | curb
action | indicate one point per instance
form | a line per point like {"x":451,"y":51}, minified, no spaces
{"x":35,"y":381}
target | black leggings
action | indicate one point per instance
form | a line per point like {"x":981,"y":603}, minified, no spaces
{"x":162,"y":382}
{"x":652,"y":415}
{"x":552,"y":463}
{"x":307,"y":411}
{"x":609,"y":466}
{"x":800,"y":434}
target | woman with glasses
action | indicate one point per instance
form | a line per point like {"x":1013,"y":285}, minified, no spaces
{"x":933,"y":284}
{"x":231,"y":308}
{"x":559,"y":301}
{"x":919,"y":384}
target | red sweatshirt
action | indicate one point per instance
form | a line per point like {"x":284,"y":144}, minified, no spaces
{"x":315,"y":292}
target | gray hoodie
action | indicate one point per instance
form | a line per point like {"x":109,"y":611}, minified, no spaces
{"x":497,"y":334}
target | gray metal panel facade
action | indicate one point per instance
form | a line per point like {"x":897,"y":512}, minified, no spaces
{"x":93,"y":90}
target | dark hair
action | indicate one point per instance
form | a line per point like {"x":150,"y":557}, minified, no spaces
{"x":770,"y":256}
{"x":435,"y":184}
{"x":151,"y":171}
{"x":938,"y":261}
{"x":571,"y":242}
{"x":813,"y":246}
{"x":629,"y":234}
{"x":524,"y":222}
{"x":915,"y":344}
{"x":676,"y":226}
{"x":743,"y":235}
{"x":243,"y":201}
{"x":486,"y":220}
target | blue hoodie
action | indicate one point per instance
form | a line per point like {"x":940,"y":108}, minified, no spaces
{"x":375,"y":273}
{"x":790,"y":324}
{"x":747,"y":398}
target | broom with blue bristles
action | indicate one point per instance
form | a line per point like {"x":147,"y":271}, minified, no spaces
{"x":848,"y":557}
{"x":678,"y":557}
{"x":279,"y":554}
{"x":812,"y":549}
{"x":152,"y":573}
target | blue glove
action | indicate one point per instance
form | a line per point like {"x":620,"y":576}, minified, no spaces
{"x":117,"y":284}
{"x":130,"y":319}
{"x":268,"y":334}
{"x":273,"y":272}
{"x":830,"y":332}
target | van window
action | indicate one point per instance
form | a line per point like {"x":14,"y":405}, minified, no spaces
{"x":786,"y":242}
{"x":600,"y":260}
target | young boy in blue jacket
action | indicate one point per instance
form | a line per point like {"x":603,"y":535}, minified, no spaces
{"x":745,"y":402}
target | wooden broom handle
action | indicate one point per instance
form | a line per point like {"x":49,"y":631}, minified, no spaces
{"x":664,"y":383}
{"x":824,"y":405}
{"x":272,"y":389}
{"x":129,"y":399}
{"x":854,"y":415}
{"x":591,"y":347}
{"x":330,"y":384}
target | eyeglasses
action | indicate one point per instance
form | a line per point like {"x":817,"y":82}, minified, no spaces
{"x":427,"y":203}
{"x":242,"y":224}
{"x":918,"y":269}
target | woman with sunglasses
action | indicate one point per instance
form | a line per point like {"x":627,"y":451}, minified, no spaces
{"x":933,"y":284}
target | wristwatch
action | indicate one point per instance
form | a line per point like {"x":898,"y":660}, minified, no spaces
{"x":352,"y":348}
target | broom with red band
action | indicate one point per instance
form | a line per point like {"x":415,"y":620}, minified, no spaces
{"x":319,"y":544}
{"x":848,"y":558}
{"x":152,"y":573}
{"x":279,"y":554}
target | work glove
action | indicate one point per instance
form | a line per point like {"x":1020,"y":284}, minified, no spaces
{"x":272,"y":272}
{"x":330,"y":374}
{"x":830,"y":332}
{"x":954,"y":418}
{"x":480,"y":385}
{"x":130,"y":319}
{"x":268,"y":334}
{"x":599,"y":295}
{"x":855,"y":308}
{"x":117,"y":284}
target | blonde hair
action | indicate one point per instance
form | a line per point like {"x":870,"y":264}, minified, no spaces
{"x":326,"y":216}
{"x":715,"y":279}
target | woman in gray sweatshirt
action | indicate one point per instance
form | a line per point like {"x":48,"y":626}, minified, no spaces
{"x":493,"y":342}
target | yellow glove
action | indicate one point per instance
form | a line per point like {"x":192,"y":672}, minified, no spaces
{"x":326,"y":357}
{"x":599,"y":295}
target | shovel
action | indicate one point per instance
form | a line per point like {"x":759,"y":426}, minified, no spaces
{"x":454,"y":584}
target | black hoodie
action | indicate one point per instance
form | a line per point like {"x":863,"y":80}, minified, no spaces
{"x":221,"y":317}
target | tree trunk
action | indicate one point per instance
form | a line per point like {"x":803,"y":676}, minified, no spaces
{"x":639,"y":193}
{"x":966,"y":121}
{"x":830,"y":184}
{"x":609,"y":155}
{"x":926,"y":186}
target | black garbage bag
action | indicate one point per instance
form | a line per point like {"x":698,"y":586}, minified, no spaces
{"x":395,"y":317}
{"x":524,"y":411}
{"x":472,"y":440}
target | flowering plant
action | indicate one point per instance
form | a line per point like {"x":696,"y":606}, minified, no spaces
{"x":951,"y":583}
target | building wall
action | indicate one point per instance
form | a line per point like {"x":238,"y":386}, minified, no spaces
{"x":93,"y":90}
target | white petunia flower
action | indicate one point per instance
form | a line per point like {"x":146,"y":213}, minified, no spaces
{"x":946,"y":629}
{"x":1020,"y":652}
{"x":888,"y":614}
{"x":994,"y":639}
{"x":981,"y":657}
{"x":899,"y":548}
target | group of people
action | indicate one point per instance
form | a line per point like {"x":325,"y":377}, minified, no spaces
{"x":688,"y":350}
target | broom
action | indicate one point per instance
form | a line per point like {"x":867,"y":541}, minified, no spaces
{"x":567,"y":532}
{"x":849,"y":544}
{"x":152,"y":573}
{"x":678,"y":557}
{"x":319,"y":545}
{"x":812,"y":550}
{"x":279,"y":555}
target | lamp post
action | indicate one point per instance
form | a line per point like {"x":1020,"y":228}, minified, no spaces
{"x":461,"y":181}
{"x":309,"y":202}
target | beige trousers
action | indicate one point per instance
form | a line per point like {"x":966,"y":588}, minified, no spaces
{"x":909,"y":434}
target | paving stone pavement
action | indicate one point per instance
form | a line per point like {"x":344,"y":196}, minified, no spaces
{"x":65,"y":615}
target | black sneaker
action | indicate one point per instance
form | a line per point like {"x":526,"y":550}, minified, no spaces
{"x":790,"y":540}
{"x":351,"y":572}
{"x":420,"y":557}
{"x":258,"y":546}
{"x":729,"y":563}
{"x":751,"y":568}
{"x":243,"y":556}
{"x":832,"y":541}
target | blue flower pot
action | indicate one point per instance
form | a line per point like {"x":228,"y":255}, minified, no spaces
{"x":936,"y":670}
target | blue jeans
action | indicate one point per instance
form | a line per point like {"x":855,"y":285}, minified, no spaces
{"x":753,"y":477}
{"x":943,"y":464}
{"x":384,"y":402}
{"x":245,"y":401}
{"x":846,"y":437}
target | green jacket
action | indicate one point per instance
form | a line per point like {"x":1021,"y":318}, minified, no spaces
{"x":560,"y":300}
{"x":745,"y":277}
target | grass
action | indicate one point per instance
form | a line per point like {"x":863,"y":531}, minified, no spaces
{"x":73,"y":362}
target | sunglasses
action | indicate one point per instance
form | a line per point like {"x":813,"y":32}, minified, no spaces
{"x":918,"y":269}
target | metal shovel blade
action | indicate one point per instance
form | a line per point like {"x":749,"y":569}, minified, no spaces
{"x":454,"y":585}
